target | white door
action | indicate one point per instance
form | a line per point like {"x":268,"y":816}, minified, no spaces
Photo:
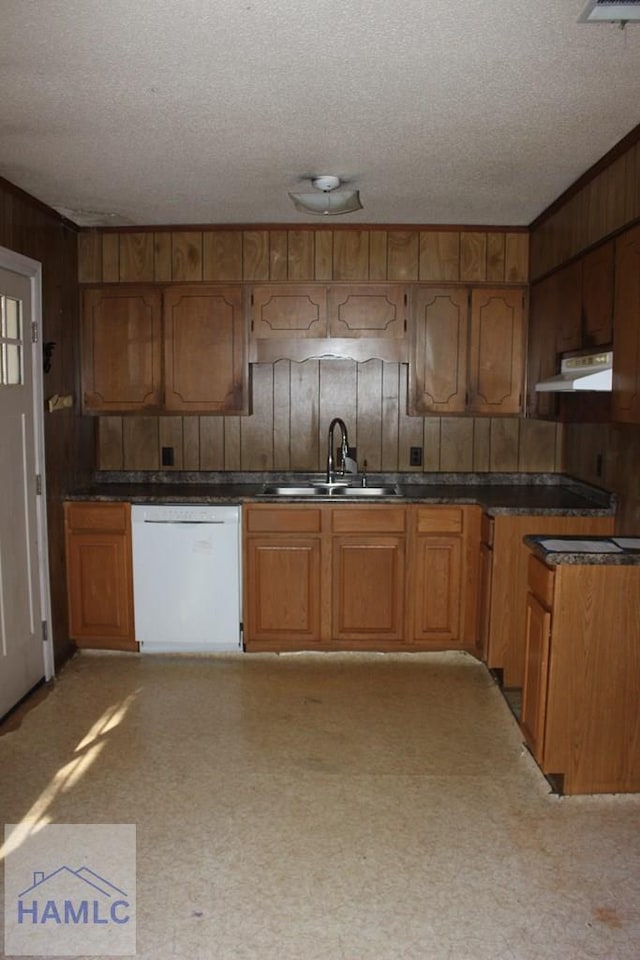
{"x":22,"y":653}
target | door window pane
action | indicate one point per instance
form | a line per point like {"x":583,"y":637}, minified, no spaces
{"x":11,"y":342}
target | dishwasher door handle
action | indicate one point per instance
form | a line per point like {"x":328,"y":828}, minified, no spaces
{"x":188,"y":523}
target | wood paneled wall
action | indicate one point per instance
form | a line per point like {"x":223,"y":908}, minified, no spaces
{"x":293,"y":404}
{"x":609,"y":456}
{"x":603,"y":205}
{"x":29,"y":228}
{"x":226,"y":255}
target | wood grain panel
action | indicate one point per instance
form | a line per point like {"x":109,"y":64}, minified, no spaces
{"x":222,"y":255}
{"x":391,"y":374}
{"x":351,"y":255}
{"x":186,"y":255}
{"x":170,"y":435}
{"x":473,"y":256}
{"x":90,"y":257}
{"x":410,"y":429}
{"x":431,"y":452}
{"x":338,"y":393}
{"x":162,"y":256}
{"x":257,"y":431}
{"x":369,"y":425}
{"x":323,"y":266}
{"x":140,"y":443}
{"x":495,"y":257}
{"x":516,"y":267}
{"x":305,"y":410}
{"x":282,"y":415}
{"x":537,"y":447}
{"x":278,"y":254}
{"x":284,"y":311}
{"x":110,"y":258}
{"x":190,"y":443}
{"x":378,"y":255}
{"x":403,"y":254}
{"x":504,"y":445}
{"x":439,"y":256}
{"x":301,"y":255}
{"x":456,"y":451}
{"x":212,"y":443}
{"x":110,"y":452}
{"x":232,"y":444}
{"x":255,"y":255}
{"x":136,"y":257}
{"x":481,"y":444}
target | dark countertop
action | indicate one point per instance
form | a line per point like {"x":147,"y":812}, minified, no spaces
{"x":579,"y":551}
{"x":496,"y":493}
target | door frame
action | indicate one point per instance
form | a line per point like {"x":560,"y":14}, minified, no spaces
{"x":32,"y":271}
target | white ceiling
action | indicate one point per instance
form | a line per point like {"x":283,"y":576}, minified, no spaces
{"x":210,"y":111}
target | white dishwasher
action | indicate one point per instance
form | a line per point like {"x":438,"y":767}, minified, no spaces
{"x":186,"y":578}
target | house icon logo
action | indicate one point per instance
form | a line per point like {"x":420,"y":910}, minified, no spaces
{"x":67,"y":896}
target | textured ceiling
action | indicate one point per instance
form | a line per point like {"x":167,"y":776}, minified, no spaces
{"x":210,"y":111}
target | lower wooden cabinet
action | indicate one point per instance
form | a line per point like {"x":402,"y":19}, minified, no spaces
{"x":360,"y":577}
{"x":506,"y":597}
{"x":582,"y":677}
{"x":99,"y":575}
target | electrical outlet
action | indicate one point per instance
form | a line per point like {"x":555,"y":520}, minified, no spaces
{"x":415,"y":456}
{"x":167,"y":457}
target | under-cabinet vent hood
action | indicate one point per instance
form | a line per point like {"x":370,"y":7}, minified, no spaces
{"x":592,"y":372}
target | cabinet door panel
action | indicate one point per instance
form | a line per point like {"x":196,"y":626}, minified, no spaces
{"x":534,"y":694}
{"x":437,"y":598}
{"x":121,"y":350}
{"x":366,"y":311}
{"x":205,"y":355}
{"x":100,"y":591}
{"x":368,"y":588}
{"x":496,"y":351}
{"x":281,"y":312}
{"x":626,"y":356}
{"x":283,"y":599}
{"x":438,"y":373}
{"x":568,"y":328}
{"x":597,"y":296}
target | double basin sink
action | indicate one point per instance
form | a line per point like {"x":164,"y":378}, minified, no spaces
{"x":337,"y":489}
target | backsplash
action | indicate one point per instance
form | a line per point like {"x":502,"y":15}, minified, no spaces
{"x":293,"y":404}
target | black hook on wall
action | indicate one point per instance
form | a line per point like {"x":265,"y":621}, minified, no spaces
{"x":47,"y":354}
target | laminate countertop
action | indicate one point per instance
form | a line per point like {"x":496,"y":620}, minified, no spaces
{"x":543,"y":494}
{"x":578,"y":551}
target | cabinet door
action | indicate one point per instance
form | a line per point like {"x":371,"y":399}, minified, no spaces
{"x":484,"y":599}
{"x":368,"y":588}
{"x":367,"y":311}
{"x":542,"y":359}
{"x":205,"y":355}
{"x":626,"y":334}
{"x":496,"y":351}
{"x":438,"y":370}
{"x":436,"y":598}
{"x":99,"y":576}
{"x":597,"y":296}
{"x":121,"y":350}
{"x":568,"y":307}
{"x":534,"y":694}
{"x":282,"y":312}
{"x":284,"y":589}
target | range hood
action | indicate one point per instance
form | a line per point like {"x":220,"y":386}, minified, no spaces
{"x":591,"y":372}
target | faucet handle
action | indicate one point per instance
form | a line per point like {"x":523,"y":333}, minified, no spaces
{"x":363,"y":482}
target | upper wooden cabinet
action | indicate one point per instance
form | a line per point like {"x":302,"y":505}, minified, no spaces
{"x":597,"y":296}
{"x":204,"y":349}
{"x":360,"y":321}
{"x":542,"y":358}
{"x":567,"y":307}
{"x":467,"y":351}
{"x":180,"y":349}
{"x":626,"y":336}
{"x":121,"y":350}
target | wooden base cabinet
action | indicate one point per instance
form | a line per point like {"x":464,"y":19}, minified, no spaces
{"x":582,"y":681}
{"x":100,"y":575}
{"x":505,"y":606}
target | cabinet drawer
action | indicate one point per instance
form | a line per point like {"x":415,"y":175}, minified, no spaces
{"x":380,"y":519}
{"x":98,"y":517}
{"x":541,"y":581}
{"x":439,"y":519}
{"x":486,"y":530}
{"x":283,"y":519}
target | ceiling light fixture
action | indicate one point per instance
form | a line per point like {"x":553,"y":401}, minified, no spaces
{"x":611,"y":11}
{"x":329,"y":200}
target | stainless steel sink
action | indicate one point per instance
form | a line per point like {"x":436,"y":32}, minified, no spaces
{"x":336,"y":490}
